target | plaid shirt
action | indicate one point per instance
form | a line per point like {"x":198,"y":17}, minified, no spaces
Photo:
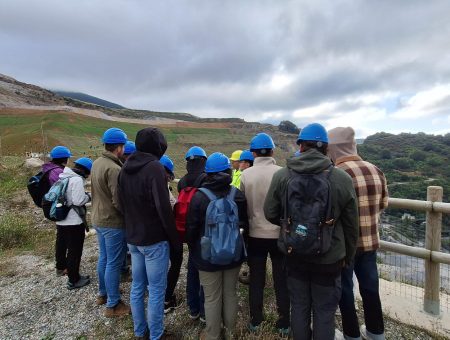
{"x":371,"y":189}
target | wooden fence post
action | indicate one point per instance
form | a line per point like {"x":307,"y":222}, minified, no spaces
{"x":433,"y":242}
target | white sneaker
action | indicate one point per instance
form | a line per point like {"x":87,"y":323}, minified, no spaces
{"x":338,"y":335}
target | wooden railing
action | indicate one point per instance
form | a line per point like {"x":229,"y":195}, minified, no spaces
{"x":434,"y":208}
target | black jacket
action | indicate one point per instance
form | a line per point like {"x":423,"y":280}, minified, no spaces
{"x":195,"y":168}
{"x":219,"y":184}
{"x":143,"y":195}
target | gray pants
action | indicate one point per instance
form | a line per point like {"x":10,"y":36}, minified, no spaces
{"x":322,"y":298}
{"x":221,"y":302}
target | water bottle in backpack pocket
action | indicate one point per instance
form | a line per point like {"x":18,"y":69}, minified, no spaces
{"x":54,"y":203}
{"x":307,"y":226}
{"x":222,"y":242}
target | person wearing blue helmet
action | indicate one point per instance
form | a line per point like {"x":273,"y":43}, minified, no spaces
{"x":130,"y":147}
{"x":150,"y":228}
{"x":316,"y":206}
{"x":59,"y":157}
{"x":218,"y":281}
{"x":108,"y":222}
{"x":264,"y":234}
{"x":70,"y":231}
{"x":195,"y":166}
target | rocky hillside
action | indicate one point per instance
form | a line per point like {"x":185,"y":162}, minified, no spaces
{"x":14,"y":93}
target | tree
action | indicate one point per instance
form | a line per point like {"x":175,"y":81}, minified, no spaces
{"x":418,"y":155}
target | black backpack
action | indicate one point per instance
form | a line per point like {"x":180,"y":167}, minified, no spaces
{"x":39,"y":185}
{"x":307,"y":225}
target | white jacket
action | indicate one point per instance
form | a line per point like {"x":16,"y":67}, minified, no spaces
{"x":75,"y":195}
{"x":255,"y":182}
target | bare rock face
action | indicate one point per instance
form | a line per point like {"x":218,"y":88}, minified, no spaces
{"x":33,"y":163}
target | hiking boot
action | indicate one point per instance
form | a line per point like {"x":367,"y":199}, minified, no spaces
{"x":171,"y":305}
{"x":120,"y":309}
{"x":61,"y":272}
{"x":101,"y":300}
{"x":80,"y":283}
{"x":87,"y":277}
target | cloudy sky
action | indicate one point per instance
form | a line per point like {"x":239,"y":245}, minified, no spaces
{"x":375,"y":65}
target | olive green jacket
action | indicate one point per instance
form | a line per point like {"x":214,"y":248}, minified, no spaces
{"x":104,"y":182}
{"x":344,"y":205}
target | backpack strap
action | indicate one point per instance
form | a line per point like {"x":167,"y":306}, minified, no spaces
{"x":232,"y":193}
{"x":208,"y":194}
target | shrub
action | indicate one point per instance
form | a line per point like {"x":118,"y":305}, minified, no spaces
{"x":14,"y":231}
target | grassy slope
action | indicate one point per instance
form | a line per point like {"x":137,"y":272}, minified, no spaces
{"x":22,"y":132}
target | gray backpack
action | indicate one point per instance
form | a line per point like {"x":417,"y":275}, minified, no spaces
{"x":307,"y":225}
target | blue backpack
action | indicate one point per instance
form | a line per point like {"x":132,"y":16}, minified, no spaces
{"x":54,"y":203}
{"x":222,"y":242}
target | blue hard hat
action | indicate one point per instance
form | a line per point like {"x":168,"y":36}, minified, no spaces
{"x":246,"y":155}
{"x":60,"y":152}
{"x":114,"y":136}
{"x":167,"y":163}
{"x":84,"y":162}
{"x":130,"y":147}
{"x":314,"y":132}
{"x":261,"y":141}
{"x":195,"y":151}
{"x":217,"y":162}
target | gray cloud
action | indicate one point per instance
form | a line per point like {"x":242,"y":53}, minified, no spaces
{"x":218,"y":58}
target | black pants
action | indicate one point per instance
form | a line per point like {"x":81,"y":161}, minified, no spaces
{"x":176,"y":259}
{"x":258,"y":249}
{"x":319,"y":293}
{"x":69,"y":248}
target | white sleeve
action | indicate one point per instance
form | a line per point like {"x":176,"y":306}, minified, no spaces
{"x":79,"y":196}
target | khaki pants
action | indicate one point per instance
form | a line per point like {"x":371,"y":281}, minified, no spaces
{"x":221,"y":302}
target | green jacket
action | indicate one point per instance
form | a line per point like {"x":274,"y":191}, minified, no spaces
{"x":104,"y":182}
{"x":344,"y":205}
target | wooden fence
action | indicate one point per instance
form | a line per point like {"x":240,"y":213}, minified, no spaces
{"x":434,"y":208}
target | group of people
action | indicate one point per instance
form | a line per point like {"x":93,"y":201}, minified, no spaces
{"x":317,"y":219}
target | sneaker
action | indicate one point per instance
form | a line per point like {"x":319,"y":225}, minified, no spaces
{"x":252,"y":328}
{"x":194,"y":316}
{"x":284,"y":332}
{"x":120,"y":309}
{"x":338,"y":335}
{"x":365,"y":334}
{"x":171,"y":305}
{"x":61,"y":272}
{"x":202,"y":319}
{"x":101,"y":300}
{"x":80,"y":283}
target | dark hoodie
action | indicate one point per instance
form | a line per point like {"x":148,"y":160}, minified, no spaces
{"x":143,"y":195}
{"x":344,"y":205}
{"x":195,"y":168}
{"x":219,"y":184}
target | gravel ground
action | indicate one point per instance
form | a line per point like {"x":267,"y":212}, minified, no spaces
{"x":35,"y":304}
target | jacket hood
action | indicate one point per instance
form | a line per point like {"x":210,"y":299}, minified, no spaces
{"x":310,"y":161}
{"x":137,"y":161}
{"x":342,"y":143}
{"x":50,"y":165}
{"x":68,"y":172}
{"x":151,"y":140}
{"x":219,"y":182}
{"x":196,"y":165}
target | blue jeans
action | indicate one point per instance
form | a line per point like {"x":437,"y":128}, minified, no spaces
{"x":149,"y":269}
{"x":124,"y":268}
{"x":365,"y":267}
{"x":194,"y":291}
{"x":110,"y":260}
